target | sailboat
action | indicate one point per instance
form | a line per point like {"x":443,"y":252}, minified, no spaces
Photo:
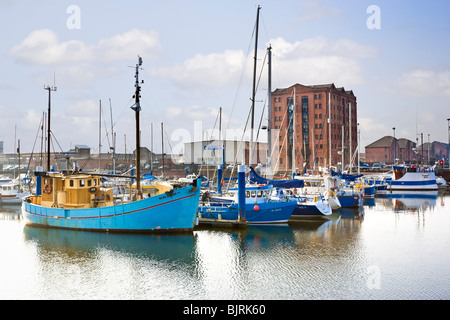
{"x":78,"y":201}
{"x":260,"y":208}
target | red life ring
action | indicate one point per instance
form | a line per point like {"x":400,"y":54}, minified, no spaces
{"x":48,"y":188}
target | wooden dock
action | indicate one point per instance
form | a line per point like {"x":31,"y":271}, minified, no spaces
{"x":222,"y":223}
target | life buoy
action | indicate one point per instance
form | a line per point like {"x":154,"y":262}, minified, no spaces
{"x":48,"y":188}
{"x":92,"y":189}
{"x":222,"y":182}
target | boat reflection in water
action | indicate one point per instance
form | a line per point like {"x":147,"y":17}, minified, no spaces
{"x":410,"y":200}
{"x":161,"y":247}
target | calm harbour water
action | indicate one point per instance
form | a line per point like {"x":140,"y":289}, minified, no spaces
{"x":392,"y":248}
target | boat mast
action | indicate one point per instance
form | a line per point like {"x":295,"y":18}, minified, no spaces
{"x":137,"y":109}
{"x":254,"y":87}
{"x":113,"y":139}
{"x":293,"y":134}
{"x":269,"y":127}
{"x":162,"y":148}
{"x":99,"y":134}
{"x":350,"y":153}
{"x":50,"y":89}
{"x":329,"y":131}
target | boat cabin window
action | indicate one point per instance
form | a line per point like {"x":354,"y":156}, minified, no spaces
{"x":253,"y":194}
{"x":89,"y":182}
{"x":71,"y":183}
{"x":260,"y":193}
{"x":82,"y":183}
{"x":247,"y":194}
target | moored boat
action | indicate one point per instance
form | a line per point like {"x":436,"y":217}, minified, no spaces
{"x":75,"y":200}
{"x":78,"y":202}
{"x":11,"y":190}
{"x":321,"y":185}
{"x":259,"y":207}
{"x":412,"y":178}
{"x":309,"y":206}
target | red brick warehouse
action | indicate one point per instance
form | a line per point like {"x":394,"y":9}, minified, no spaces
{"x":301,"y":114}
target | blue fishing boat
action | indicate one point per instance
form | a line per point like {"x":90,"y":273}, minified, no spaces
{"x":259,"y":207}
{"x":78,"y":201}
{"x":67,"y":201}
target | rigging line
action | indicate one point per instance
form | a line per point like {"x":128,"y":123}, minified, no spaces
{"x":239,"y":147}
{"x":106,"y":131}
{"x":53,"y":147}
{"x":320,"y":138}
{"x":284,"y":140}
{"x":257,"y":86}
{"x":32,"y":150}
{"x":261,"y":119}
{"x":240,"y":79}
{"x":217,"y":118}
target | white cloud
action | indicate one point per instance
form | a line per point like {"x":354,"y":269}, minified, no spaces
{"x":315,"y":60}
{"x":42,"y":47}
{"x":76,"y":62}
{"x":425,"y":83}
{"x":320,"y":60}
{"x":215,"y":69}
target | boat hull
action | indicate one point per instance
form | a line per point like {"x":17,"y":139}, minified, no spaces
{"x":351,"y":201}
{"x":169,"y":212}
{"x":261,"y":213}
{"x":13,"y":199}
{"x":418,"y":181}
{"x":311,"y":210}
{"x":369,"y":191}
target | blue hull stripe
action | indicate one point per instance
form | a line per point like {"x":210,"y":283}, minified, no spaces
{"x":111,"y":215}
{"x":413,"y":183}
{"x":172,"y":213}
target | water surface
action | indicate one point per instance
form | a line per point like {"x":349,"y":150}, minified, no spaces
{"x":395,"y":247}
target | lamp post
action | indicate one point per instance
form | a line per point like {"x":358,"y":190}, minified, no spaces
{"x":394,"y":145}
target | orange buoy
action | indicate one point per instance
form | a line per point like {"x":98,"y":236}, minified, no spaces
{"x":256,"y":207}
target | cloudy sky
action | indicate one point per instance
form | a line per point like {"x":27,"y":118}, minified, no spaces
{"x":198,"y":58}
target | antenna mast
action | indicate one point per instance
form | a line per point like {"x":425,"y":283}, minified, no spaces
{"x":137,"y":109}
{"x":50,"y":89}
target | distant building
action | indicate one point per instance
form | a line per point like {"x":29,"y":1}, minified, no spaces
{"x":1,"y":147}
{"x":432,"y":151}
{"x":388,"y":148}
{"x":381,"y":150}
{"x":80,"y":151}
{"x":211,"y":152}
{"x":316,"y":123}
